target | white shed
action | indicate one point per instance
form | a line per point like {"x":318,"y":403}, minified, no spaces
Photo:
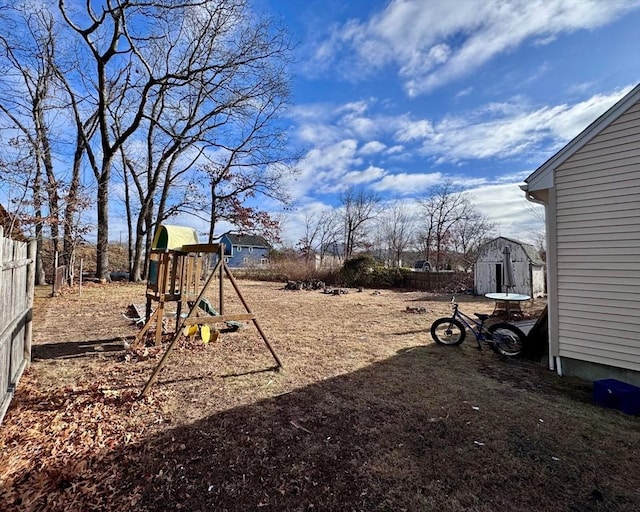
{"x":591,"y":193}
{"x":528,"y":268}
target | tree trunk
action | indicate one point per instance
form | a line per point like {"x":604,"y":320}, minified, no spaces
{"x":130,"y":252}
{"x":138,"y":259}
{"x":138,"y":253}
{"x":150,"y":229}
{"x":52,"y":185}
{"x":102,"y":249}
{"x":72,"y":207}
{"x":40,"y":273}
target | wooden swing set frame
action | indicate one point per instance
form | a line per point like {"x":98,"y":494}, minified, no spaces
{"x":178,"y":279}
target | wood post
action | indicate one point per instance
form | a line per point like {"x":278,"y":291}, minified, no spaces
{"x":31,"y":280}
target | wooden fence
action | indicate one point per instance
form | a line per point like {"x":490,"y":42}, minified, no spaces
{"x":17,"y":277}
{"x":438,"y":281}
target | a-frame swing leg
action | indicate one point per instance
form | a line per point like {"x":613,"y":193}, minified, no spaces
{"x":255,"y":321}
{"x":222,"y":268}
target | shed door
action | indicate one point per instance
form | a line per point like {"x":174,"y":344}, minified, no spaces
{"x":499,"y":277}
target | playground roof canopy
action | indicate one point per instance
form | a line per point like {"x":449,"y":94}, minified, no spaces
{"x":174,"y":237}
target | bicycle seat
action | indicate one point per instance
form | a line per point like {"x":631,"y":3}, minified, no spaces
{"x":482,"y":316}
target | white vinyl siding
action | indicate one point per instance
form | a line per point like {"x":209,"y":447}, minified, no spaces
{"x":598,"y":247}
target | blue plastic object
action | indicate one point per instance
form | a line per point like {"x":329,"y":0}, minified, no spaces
{"x":617,"y":395}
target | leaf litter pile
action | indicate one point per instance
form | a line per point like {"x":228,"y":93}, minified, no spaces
{"x":367,"y":414}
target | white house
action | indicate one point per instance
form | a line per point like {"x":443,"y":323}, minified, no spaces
{"x":591,"y":192}
{"x":528,"y":268}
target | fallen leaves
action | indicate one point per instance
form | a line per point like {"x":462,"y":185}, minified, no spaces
{"x":59,"y":446}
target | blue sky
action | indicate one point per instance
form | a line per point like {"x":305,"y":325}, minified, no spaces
{"x":398,"y":96}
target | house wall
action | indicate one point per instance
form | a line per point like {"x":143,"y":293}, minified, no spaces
{"x":238,"y":255}
{"x":485,"y":268}
{"x":596,"y":273}
{"x":328,"y":262}
{"x":246,"y":256}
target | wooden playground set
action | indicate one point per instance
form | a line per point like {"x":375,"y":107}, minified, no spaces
{"x":178,"y":267}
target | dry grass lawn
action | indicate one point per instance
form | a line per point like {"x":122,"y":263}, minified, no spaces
{"x":367,"y":414}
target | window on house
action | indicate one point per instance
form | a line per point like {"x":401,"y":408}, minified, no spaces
{"x":250,"y":249}
{"x":239,"y":249}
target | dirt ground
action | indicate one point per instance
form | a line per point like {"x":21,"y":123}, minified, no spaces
{"x":367,"y":414}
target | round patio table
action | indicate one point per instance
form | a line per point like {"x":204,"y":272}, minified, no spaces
{"x":508,"y":299}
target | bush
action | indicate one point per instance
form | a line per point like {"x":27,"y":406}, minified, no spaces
{"x":288,"y":269}
{"x":366,"y":271}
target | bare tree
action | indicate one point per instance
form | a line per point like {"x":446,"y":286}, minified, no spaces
{"x":468,"y":234}
{"x":186,"y":75}
{"x":397,"y":227}
{"x":358,"y":208}
{"x":537,"y":234}
{"x":328,"y":235}
{"x":22,"y":176}
{"x":320,"y":235}
{"x":307,"y":243}
{"x":441,"y":211}
{"x":27,"y":77}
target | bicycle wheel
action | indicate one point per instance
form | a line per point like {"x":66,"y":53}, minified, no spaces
{"x":448,"y":331}
{"x":506,"y":339}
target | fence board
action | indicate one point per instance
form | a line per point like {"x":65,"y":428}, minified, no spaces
{"x":437,"y":281}
{"x":17,"y":277}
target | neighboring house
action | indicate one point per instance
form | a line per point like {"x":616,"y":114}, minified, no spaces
{"x":591,"y":192}
{"x":245,"y":250}
{"x":528,"y":268}
{"x":327,"y":261}
{"x":331,"y":256}
{"x":422,"y":266}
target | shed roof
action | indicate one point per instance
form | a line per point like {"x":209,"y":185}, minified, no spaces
{"x":532,"y":253}
{"x":539,"y":179}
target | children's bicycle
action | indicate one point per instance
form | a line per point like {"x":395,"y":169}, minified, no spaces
{"x":503,"y":338}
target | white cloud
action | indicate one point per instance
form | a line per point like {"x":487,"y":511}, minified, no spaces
{"x":407,"y":184}
{"x":324,"y":166}
{"x":505,"y":130}
{"x":506,"y":205}
{"x":317,"y":133}
{"x":576,"y":118}
{"x":414,"y":130}
{"x":433,"y":43}
{"x":372,"y":147}
{"x":394,"y":150}
{"x":339,"y":157}
{"x":464,"y":92}
{"x":354,"y":178}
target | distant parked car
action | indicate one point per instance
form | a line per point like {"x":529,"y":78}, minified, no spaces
{"x":422,"y":266}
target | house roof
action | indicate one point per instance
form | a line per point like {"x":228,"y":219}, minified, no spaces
{"x":541,"y":178}
{"x":247,"y":240}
